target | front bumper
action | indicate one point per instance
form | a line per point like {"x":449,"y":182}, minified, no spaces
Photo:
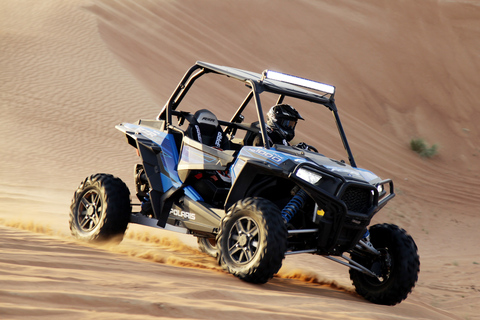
{"x":343,"y":208}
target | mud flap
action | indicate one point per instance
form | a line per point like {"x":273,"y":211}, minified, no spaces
{"x":162,"y":203}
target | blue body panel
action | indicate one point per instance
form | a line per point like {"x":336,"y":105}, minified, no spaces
{"x":169,"y":155}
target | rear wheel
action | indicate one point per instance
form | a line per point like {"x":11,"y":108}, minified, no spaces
{"x":100,"y":209}
{"x":252,"y":240}
{"x":209,"y":246}
{"x":397,"y":266}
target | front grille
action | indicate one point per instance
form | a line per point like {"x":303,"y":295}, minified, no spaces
{"x":358,"y":199}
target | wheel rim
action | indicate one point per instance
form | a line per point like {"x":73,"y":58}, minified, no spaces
{"x":383,"y":267}
{"x":89,"y":210}
{"x":243,"y":240}
{"x":212,"y":243}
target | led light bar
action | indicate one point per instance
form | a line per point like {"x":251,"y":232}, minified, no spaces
{"x":274,"y":75}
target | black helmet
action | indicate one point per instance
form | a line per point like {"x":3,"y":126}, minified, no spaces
{"x":282,"y":119}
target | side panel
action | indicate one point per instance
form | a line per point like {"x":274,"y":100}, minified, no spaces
{"x":195,"y":216}
{"x":197,"y":156}
{"x":159,"y":155}
{"x":269,"y":158}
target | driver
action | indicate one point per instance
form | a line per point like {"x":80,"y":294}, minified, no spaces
{"x":281,"y":122}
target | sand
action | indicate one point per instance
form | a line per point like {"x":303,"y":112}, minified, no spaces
{"x":71,"y":70}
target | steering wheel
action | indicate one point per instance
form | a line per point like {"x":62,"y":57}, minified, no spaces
{"x":303,"y":145}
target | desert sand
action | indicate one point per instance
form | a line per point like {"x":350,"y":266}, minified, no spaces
{"x":71,"y":70}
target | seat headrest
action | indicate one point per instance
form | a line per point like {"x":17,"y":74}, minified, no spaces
{"x":206,"y":117}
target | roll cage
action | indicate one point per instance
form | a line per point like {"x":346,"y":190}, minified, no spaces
{"x":258,"y":83}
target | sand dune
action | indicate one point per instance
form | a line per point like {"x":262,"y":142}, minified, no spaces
{"x":49,"y":277}
{"x":71,"y":70}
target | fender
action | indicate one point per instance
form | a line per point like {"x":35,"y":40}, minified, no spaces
{"x":249,"y":172}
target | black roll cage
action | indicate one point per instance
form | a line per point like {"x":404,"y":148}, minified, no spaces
{"x":258,"y":84}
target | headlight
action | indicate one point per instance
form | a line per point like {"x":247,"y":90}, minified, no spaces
{"x":380,"y":188}
{"x":308,"y":175}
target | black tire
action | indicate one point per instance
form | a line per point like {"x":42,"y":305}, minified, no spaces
{"x":252,"y":240}
{"x":398,"y":265}
{"x":208,"y":246}
{"x":100,"y":209}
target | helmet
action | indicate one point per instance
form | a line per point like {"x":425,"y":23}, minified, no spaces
{"x":282,"y":119}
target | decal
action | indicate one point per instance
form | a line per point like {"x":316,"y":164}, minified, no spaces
{"x":207,"y":119}
{"x":182,"y":214}
{"x":236,"y":168}
{"x":218,"y":141}
{"x":199,"y":135}
{"x":268,"y":155}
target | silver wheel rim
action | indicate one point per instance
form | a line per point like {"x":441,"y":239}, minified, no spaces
{"x":89,"y":210}
{"x":243,"y":240}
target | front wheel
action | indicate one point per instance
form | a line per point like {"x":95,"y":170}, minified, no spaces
{"x":100,"y":209}
{"x":397,"y":266}
{"x":252,"y":240}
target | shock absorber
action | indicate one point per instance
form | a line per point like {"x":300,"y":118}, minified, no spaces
{"x":293,"y":205}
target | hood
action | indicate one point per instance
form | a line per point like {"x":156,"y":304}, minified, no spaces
{"x":343,"y":169}
{"x":338,"y":167}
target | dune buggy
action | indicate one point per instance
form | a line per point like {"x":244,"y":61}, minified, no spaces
{"x":250,"y":206}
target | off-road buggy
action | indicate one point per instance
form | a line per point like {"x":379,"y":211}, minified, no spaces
{"x":250,"y":206}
